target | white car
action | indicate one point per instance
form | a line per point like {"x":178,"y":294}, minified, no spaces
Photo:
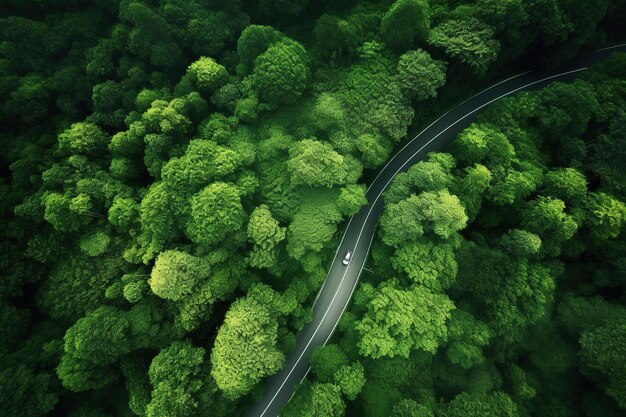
{"x":346,"y":259}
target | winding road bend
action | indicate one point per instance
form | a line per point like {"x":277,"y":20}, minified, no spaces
{"x":334,"y":296}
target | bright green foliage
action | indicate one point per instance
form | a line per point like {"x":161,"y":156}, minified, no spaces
{"x":398,"y":321}
{"x":427,"y":264}
{"x":281,"y":74}
{"x":317,"y":164}
{"x":59,"y":213}
{"x":202,"y":162}
{"x":313,"y":225}
{"x":438,"y":212}
{"x":604,"y":350}
{"x":497,"y":404}
{"x":84,"y":139}
{"x":207,"y":75}
{"x":166,"y":161}
{"x":466,"y":338}
{"x":520,"y":243}
{"x":482,"y":142}
{"x":566,"y":184}
{"x":254,"y":40}
{"x":405,"y":22}
{"x":178,"y":376}
{"x":315,"y":400}
{"x":420,"y":75}
{"x":94,"y":243}
{"x":100,"y":337}
{"x":216,"y":211}
{"x":265,"y":233}
{"x":605,"y":215}
{"x":469,"y":41}
{"x":470,"y":188}
{"x":175,"y":273}
{"x":410,"y":408}
{"x":546,"y":217}
{"x":432,"y":175}
{"x":350,"y":379}
{"x":351,"y":199}
{"x":326,"y":360}
{"x":158,"y":224}
{"x":81,"y":375}
{"x":245,"y":348}
{"x":123,"y":212}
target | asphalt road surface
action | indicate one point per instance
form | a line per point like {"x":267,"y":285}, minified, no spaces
{"x":333,"y":298}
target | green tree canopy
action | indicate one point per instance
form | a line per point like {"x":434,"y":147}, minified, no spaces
{"x":398,"y":321}
{"x":405,"y":22}
{"x":216,"y":211}
{"x":281,"y":73}
{"x":245,"y":348}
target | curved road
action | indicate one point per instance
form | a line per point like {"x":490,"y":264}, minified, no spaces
{"x":334,"y":296}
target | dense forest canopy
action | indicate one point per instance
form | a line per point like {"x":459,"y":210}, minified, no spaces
{"x":176,"y":174}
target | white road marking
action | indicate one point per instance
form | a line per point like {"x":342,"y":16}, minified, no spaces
{"x":374,"y":203}
{"x":611,"y":47}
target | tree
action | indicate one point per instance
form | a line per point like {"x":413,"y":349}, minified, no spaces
{"x":335,"y":36}
{"x":254,"y":40}
{"x":313,"y":225}
{"x":58,"y":212}
{"x":471,"y":187}
{"x":431,"y":175}
{"x":398,"y":321}
{"x":605,"y":215}
{"x":178,"y":374}
{"x":420,"y":75}
{"x":123,"y":213}
{"x":497,"y":404}
{"x":350,"y":379}
{"x":351,"y":199}
{"x":410,"y":408}
{"x":317,"y":164}
{"x":157,"y":221}
{"x":77,"y":284}
{"x":604,"y":350}
{"x":566,"y":184}
{"x":427,"y":263}
{"x":520,"y":243}
{"x":101,"y":337}
{"x":94,"y":243}
{"x":281,"y":74}
{"x":203,"y":161}
{"x":207,"y":75}
{"x":26,"y":393}
{"x":326,"y":360}
{"x":469,"y":40}
{"x":83,"y":139}
{"x":245,"y":347}
{"x":265,"y":233}
{"x":467,"y":337}
{"x":315,"y":400}
{"x":175,"y":274}
{"x":216,"y":211}
{"x":546,"y":217}
{"x":405,"y":22}
{"x":438,"y":212}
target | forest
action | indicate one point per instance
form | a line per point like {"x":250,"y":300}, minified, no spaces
{"x":177,"y":175}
